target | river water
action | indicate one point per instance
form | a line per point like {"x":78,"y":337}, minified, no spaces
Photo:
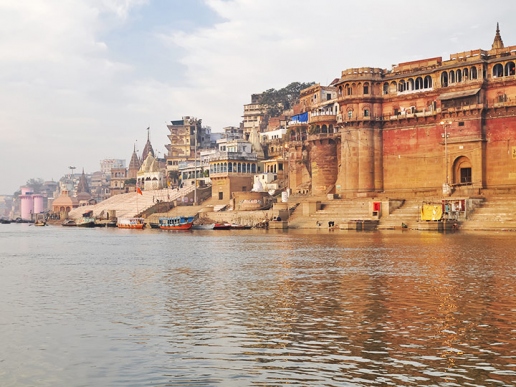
{"x":109,"y":307}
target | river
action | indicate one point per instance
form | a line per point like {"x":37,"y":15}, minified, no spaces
{"x":110,"y":307}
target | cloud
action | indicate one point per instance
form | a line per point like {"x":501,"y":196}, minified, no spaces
{"x":80,"y":80}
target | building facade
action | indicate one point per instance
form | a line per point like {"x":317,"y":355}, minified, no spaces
{"x":426,"y":126}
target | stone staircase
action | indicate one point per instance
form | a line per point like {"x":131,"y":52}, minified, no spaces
{"x":131,"y":204}
{"x":495,"y":213}
{"x":407,"y":214}
{"x":338,"y":211}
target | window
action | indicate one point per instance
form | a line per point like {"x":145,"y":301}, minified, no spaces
{"x":385,"y":88}
{"x":221,"y":195}
{"x":461,"y":123}
{"x":366,"y":89}
{"x":350,"y":114}
{"x":328,"y":97}
{"x":465,"y":175}
{"x":366,"y":112}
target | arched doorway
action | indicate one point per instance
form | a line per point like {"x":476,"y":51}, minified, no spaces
{"x":462,"y":171}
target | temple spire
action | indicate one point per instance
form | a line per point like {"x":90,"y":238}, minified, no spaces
{"x":498,"y":42}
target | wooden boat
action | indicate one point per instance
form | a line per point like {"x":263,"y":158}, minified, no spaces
{"x":69,"y":223}
{"x":176,"y":223}
{"x":209,"y":226}
{"x":40,"y":222}
{"x":235,"y":226}
{"x":132,"y":223}
{"x":222,"y":226}
{"x":86,"y":222}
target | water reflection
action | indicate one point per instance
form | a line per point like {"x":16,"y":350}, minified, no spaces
{"x":257,"y":308}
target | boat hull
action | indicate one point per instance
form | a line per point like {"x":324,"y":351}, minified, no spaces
{"x":187,"y":226}
{"x":176,"y":223}
{"x":131,"y":223}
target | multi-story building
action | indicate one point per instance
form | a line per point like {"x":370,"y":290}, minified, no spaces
{"x":107,"y":164}
{"x":428,"y":126}
{"x":254,"y":115}
{"x":117,"y":183}
{"x":232,"y":168}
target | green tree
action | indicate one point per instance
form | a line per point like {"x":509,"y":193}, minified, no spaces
{"x":277,"y":101}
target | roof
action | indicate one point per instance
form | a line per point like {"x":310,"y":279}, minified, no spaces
{"x":458,"y":94}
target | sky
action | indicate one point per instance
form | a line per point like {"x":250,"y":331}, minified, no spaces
{"x":82,"y":80}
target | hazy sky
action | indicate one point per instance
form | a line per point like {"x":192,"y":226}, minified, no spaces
{"x":81,"y":80}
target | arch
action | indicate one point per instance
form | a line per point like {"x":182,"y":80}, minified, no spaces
{"x":340,"y":90}
{"x":451,"y":76}
{"x":465,"y":74}
{"x":402,"y":86}
{"x":474,"y":73}
{"x":385,"y":88}
{"x":444,"y":79}
{"x":498,"y":70}
{"x":458,"y":75}
{"x":410,"y":84}
{"x":509,"y":69}
{"x":419,"y":83}
{"x":427,"y":82}
{"x":462,"y":171}
{"x":324,"y":129}
{"x":393,"y":87}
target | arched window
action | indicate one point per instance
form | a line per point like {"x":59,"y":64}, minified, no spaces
{"x":402,"y":86}
{"x":419,"y":83}
{"x":340,"y":90}
{"x":366,"y":112}
{"x":458,"y":74}
{"x":410,"y":84}
{"x":350,"y":114}
{"x":509,"y":69}
{"x":474,"y":74}
{"x":385,"y":88}
{"x":465,"y":74}
{"x":451,"y":76}
{"x":393,"y":88}
{"x":498,"y":70}
{"x":444,"y":79}
{"x":366,"y":88}
{"x":427,"y":84}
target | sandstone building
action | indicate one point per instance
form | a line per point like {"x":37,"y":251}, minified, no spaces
{"x":430,"y":126}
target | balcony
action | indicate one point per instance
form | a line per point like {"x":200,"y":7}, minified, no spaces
{"x":323,"y":117}
{"x":234,"y":156}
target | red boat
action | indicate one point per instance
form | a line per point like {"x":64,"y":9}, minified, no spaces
{"x":221,"y":226}
{"x":133,"y":223}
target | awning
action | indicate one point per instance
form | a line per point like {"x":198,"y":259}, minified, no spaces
{"x":458,"y":94}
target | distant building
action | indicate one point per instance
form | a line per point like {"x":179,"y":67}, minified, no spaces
{"x":107,"y":164}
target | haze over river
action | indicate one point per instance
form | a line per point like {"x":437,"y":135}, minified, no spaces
{"x":110,"y":307}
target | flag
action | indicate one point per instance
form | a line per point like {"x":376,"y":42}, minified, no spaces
{"x":139,"y":190}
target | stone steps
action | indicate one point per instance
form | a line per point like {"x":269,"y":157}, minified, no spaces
{"x":494,"y":213}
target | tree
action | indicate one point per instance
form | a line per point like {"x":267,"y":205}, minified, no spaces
{"x":277,"y":101}
{"x":36,"y":185}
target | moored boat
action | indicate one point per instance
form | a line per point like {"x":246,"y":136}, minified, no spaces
{"x":209,"y":226}
{"x":222,"y":226}
{"x":40,"y":222}
{"x":69,"y":223}
{"x":85,"y":222}
{"x":176,"y":223}
{"x":235,"y":226}
{"x":132,"y":223}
